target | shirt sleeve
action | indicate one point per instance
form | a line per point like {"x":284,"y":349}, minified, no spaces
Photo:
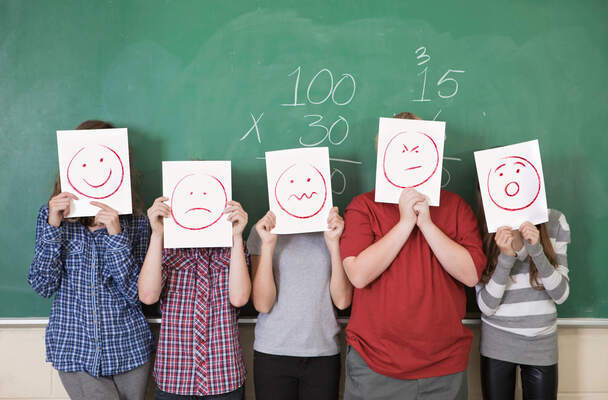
{"x":489,"y":296}
{"x":124,"y":256}
{"x":469,"y":236}
{"x":46,"y":268}
{"x":358,"y":234}
{"x":554,"y":279}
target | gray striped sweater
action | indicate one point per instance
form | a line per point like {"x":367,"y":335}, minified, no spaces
{"x":519,"y":323}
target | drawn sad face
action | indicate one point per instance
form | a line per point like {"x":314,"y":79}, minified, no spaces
{"x":410,"y":159}
{"x":301,"y":191}
{"x":96,"y":172}
{"x":197,"y":201}
{"x":513,"y":183}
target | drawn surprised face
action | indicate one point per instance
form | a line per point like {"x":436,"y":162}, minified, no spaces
{"x":197,"y":201}
{"x":513,"y":183}
{"x":301,"y":191}
{"x":410,"y":159}
{"x":96,"y":172}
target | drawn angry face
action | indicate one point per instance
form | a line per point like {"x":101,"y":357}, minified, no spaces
{"x":96,"y":172}
{"x":301,"y":191}
{"x":198,"y":201}
{"x":410,"y":159}
{"x":513,"y":183}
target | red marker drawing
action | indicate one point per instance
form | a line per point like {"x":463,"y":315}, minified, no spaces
{"x":96,"y":172}
{"x":301,"y":191}
{"x":198,"y":201}
{"x":514,"y":184}
{"x":410,"y":159}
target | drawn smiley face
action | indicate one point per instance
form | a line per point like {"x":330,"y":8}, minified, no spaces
{"x":513,"y":183}
{"x":96,"y":172}
{"x":301,"y":191}
{"x":410,"y":159}
{"x":198,"y":201}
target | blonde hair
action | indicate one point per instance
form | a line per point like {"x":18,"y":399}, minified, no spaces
{"x":401,"y":115}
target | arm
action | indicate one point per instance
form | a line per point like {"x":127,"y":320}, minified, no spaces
{"x":375,"y":259}
{"x":45,"y":271}
{"x":489,"y":296}
{"x":150,"y":283}
{"x":264,"y":288}
{"x":555,"y":282}
{"x":239,"y":284}
{"x":453,"y":257}
{"x":340,"y":287}
{"x":125,"y":250}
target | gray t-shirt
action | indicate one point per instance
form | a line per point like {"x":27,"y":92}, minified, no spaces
{"x":302,"y":322}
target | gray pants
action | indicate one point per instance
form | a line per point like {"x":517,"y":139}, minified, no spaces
{"x":361,"y":383}
{"x":130,"y":385}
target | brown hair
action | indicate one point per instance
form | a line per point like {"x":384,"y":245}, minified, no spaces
{"x":135,"y":175}
{"x":406,"y":115}
{"x":491,"y":250}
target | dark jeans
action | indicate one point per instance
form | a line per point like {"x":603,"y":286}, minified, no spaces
{"x":498,"y":380}
{"x":235,"y":395}
{"x":296,"y":378}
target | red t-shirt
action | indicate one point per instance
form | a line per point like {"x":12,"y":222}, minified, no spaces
{"x":407,"y":324}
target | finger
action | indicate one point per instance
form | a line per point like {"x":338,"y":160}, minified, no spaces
{"x":103,"y":206}
{"x":161,"y":199}
{"x":231,"y":209}
{"x":68,"y":194}
{"x":234,"y":203}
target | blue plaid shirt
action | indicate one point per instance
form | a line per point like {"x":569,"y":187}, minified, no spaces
{"x":96,"y":323}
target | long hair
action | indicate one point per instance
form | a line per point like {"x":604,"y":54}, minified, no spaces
{"x":135,"y":175}
{"x":491,"y":250}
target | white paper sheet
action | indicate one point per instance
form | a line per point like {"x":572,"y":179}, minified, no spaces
{"x":410,"y":155}
{"x":299,"y":189}
{"x":94,"y":166}
{"x":512,"y":185}
{"x":198,"y":193}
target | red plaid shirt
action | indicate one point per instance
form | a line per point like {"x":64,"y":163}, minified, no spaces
{"x":198,"y":350}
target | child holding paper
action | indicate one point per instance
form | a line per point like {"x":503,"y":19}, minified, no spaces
{"x":409,"y":264}
{"x":97,"y":336}
{"x":201,"y":289}
{"x":526,"y":274}
{"x":297,"y":280}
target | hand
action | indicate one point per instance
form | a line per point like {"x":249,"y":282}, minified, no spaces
{"x":264,"y":226}
{"x":107,"y":217}
{"x":504,"y":240}
{"x":59,"y":206}
{"x":407,"y":199}
{"x":335,"y":223}
{"x":529,"y":232}
{"x":237,"y":216}
{"x":423,"y":214}
{"x":156,"y":213}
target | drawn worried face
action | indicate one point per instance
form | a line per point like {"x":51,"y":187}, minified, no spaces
{"x":410,"y":159}
{"x":197,"y":201}
{"x":301,"y":191}
{"x":96,"y":172}
{"x":513,"y":183}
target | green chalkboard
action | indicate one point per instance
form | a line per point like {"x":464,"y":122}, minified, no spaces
{"x":190,"y":79}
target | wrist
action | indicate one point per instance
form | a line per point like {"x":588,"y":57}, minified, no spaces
{"x":157,"y":235}
{"x":333,"y":245}
{"x":425,"y":224}
{"x":54,"y":221}
{"x":268,"y":246}
{"x":406,"y":224}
